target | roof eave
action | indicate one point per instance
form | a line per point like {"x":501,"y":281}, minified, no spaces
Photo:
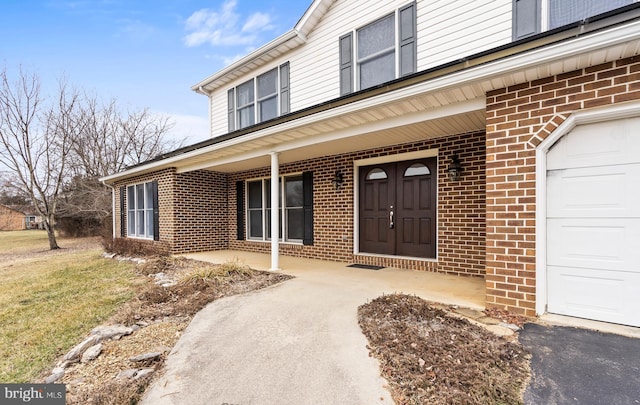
{"x":289,"y":40}
{"x":490,"y":62}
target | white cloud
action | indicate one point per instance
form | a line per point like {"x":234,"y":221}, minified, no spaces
{"x":257,"y":22}
{"x":224,"y":26}
{"x":188,"y":129}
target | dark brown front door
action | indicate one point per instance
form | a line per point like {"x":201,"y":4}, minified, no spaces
{"x":398,"y":208}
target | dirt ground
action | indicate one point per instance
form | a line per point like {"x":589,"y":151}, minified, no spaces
{"x":431,"y":357}
{"x":160,"y":315}
{"x":426,"y":355}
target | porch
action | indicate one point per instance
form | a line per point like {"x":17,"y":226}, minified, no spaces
{"x":444,"y":288}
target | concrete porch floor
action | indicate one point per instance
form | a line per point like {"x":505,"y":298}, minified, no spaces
{"x":447,"y":289}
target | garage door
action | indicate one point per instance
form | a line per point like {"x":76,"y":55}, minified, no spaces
{"x":593,"y":223}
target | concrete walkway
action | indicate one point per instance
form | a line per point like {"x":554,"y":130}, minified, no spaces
{"x":294,"y":343}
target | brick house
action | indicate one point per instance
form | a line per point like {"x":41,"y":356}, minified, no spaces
{"x":11,"y":219}
{"x":493,"y":138}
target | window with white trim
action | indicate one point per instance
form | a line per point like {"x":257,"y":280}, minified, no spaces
{"x":291,"y":213}
{"x":141,"y":210}
{"x":384,"y":50}
{"x":259,"y":99}
{"x":534,"y":16}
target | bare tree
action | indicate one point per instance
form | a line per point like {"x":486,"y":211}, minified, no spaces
{"x":36,"y":140}
{"x":55,"y":150}
{"x":111,"y":141}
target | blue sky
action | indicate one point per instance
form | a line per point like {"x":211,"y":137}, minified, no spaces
{"x":144,"y":53}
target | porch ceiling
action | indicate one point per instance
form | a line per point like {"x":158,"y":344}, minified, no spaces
{"x":334,"y":139}
{"x":410,"y":120}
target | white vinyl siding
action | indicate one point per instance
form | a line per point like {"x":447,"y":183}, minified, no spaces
{"x":452,"y":29}
{"x":447,"y":30}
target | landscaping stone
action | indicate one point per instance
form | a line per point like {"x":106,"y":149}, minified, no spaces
{"x":73,"y":356}
{"x":111,"y":332}
{"x":91,"y":353}
{"x":499,"y":330}
{"x":153,"y":356}
{"x":134,"y":373}
{"x":56,"y":375}
{"x":511,"y":326}
{"x":127,"y":374}
{"x":163,"y":280}
{"x":143,"y":373}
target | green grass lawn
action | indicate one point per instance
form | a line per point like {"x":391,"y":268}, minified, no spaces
{"x":23,"y":241}
{"x":48,"y":302}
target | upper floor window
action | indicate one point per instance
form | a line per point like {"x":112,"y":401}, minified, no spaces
{"x":534,"y":16}
{"x":384,"y":50}
{"x":259,"y":99}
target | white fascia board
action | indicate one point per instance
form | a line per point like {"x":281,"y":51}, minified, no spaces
{"x":263,"y":50}
{"x":310,"y":18}
{"x":482,"y":73}
{"x":306,"y":24}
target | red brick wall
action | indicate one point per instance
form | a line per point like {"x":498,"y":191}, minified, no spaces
{"x":200,"y":211}
{"x":461,"y":208}
{"x":518,"y":119}
{"x":192,"y":209}
{"x":166,"y":179}
{"x":11,"y":220}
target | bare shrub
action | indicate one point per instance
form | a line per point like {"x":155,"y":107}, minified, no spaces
{"x":199,"y":283}
{"x":208,"y":273}
{"x":130,"y":247}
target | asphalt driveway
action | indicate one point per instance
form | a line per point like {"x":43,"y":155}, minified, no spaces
{"x":580,"y":366}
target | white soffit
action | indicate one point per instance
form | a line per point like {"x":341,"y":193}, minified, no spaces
{"x":331,"y":143}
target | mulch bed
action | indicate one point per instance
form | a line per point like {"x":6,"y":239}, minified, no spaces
{"x":429,"y":357}
{"x":161,"y":314}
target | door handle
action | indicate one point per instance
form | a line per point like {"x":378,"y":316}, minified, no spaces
{"x":391,"y":218}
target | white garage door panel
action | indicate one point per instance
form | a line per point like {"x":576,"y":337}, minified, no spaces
{"x":604,"y":143}
{"x":594,"y":192}
{"x":593,"y":222}
{"x":594,"y":294}
{"x":612,"y":244}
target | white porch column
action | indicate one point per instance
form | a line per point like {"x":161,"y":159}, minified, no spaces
{"x":275,"y":223}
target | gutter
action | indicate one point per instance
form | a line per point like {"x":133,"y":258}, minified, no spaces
{"x":528,"y":52}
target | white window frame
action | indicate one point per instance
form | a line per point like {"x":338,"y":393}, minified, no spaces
{"x":545,"y":17}
{"x":265,"y":183}
{"x":256,"y":99}
{"x":396,"y":49}
{"x":147,"y":211}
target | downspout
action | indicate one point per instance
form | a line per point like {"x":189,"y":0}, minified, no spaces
{"x":113,"y":209}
